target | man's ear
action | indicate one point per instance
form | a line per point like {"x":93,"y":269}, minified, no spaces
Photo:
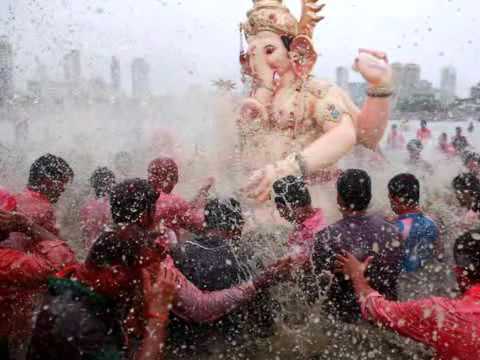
{"x":302,"y":56}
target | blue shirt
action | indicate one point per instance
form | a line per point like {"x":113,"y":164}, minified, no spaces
{"x":419,"y":234}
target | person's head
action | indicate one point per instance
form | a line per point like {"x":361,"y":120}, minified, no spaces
{"x":414,"y":148}
{"x":466,"y":252}
{"x":443,"y":138}
{"x":49,"y":175}
{"x":224,"y":217}
{"x":472,"y":162}
{"x":123,"y":163}
{"x":354,"y":191}
{"x":133,"y":202}
{"x":423,"y":124}
{"x":102,"y":181}
{"x":292,"y":198}
{"x":163,"y":174}
{"x":458,"y":130}
{"x":404,"y":193}
{"x":394,"y":127}
{"x":467,"y":191}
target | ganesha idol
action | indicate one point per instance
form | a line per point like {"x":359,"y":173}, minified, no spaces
{"x":293,"y":124}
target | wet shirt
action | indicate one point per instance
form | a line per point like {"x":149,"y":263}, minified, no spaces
{"x":300,"y":241}
{"x":419,"y":234}
{"x":424,"y":135}
{"x":450,"y":326}
{"x":39,"y":209}
{"x":7,"y":200}
{"x":95,"y":216}
{"x":363,"y":236}
{"x":175,"y":213}
{"x":396,"y":140}
{"x":23,"y":277}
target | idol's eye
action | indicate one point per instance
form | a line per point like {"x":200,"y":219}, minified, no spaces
{"x":269,"y":49}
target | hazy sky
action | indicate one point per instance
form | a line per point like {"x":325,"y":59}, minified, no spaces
{"x":195,"y":41}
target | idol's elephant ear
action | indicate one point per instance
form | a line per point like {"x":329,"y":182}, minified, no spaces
{"x":302,"y":56}
{"x":245,"y":64}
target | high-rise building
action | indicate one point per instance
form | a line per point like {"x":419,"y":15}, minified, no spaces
{"x":448,"y":85}
{"x":411,"y":77}
{"x":6,"y":70}
{"x":342,"y":77}
{"x":115,"y":74}
{"x":140,"y":78}
{"x":475,"y":91}
{"x":72,"y":67}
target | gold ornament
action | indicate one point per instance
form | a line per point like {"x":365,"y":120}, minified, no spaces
{"x":272,"y":15}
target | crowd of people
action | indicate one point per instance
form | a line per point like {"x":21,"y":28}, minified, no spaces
{"x":164,"y":277}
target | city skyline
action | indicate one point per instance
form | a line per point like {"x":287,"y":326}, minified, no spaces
{"x":187,"y":42}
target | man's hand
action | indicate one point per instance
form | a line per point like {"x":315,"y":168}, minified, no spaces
{"x":351,"y":267}
{"x":277,"y":272}
{"x":14,"y":222}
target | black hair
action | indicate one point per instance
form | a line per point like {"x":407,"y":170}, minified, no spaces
{"x":287,"y":41}
{"x":130,"y":199}
{"x":102,"y":181}
{"x":423,"y":122}
{"x":415,"y":144}
{"x":466,"y":252}
{"x":354,"y":188}
{"x":292,"y":190}
{"x":406,"y":187}
{"x":468,"y":182}
{"x":121,"y":247}
{"x":224,"y":215}
{"x":470,"y":156}
{"x":49,"y":167}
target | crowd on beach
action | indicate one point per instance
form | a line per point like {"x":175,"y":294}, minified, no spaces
{"x":164,"y":276}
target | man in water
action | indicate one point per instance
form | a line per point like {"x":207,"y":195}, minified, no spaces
{"x":294,"y":204}
{"x":419,"y":233}
{"x":459,"y":141}
{"x":95,"y":214}
{"x":467,"y":191}
{"x":215,"y":260}
{"x":424,"y":134}
{"x":472,"y":163}
{"x":360,"y":233}
{"x":415,"y":160}
{"x":49,"y":175}
{"x":449,"y":326}
{"x":172,"y":211}
{"x":444,"y":146}
{"x":395,"y":140}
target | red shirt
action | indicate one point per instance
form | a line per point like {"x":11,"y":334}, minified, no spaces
{"x":450,"y":326}
{"x":424,"y":134}
{"x":23,"y":278}
{"x":301,"y":240}
{"x":396,"y":140}
{"x":7,"y":200}
{"x":95,"y":215}
{"x":39,"y":209}
{"x":175,"y":213}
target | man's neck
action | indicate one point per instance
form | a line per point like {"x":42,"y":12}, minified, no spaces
{"x":348,"y":213}
{"x":304,"y":214}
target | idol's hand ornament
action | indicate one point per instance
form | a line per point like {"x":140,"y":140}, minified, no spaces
{"x":260,"y":183}
{"x":373,"y":66}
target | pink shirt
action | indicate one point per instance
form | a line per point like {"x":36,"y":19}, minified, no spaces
{"x":95,"y":216}
{"x":450,"y":326}
{"x":396,"y":140}
{"x":39,"y":209}
{"x":195,"y":305}
{"x":175,"y":213}
{"x":301,"y":240}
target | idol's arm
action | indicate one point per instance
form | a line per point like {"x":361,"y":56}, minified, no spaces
{"x":372,"y":121}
